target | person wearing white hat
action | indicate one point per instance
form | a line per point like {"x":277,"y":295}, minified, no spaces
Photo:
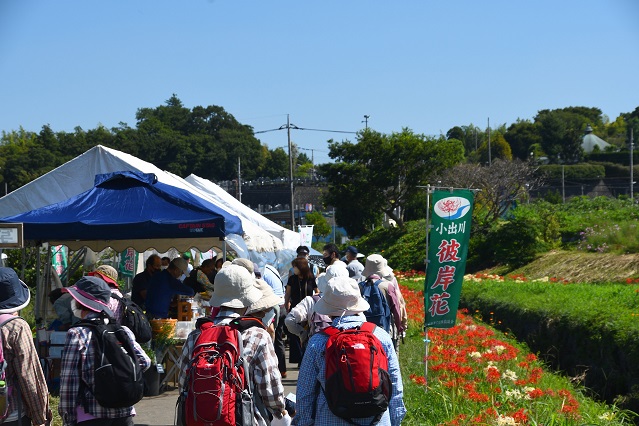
{"x":235,"y":292}
{"x":24,"y":376}
{"x":343,"y":302}
{"x":163,"y":286}
{"x":377,"y":269}
{"x":303,"y":321}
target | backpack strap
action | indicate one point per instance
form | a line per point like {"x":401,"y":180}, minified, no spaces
{"x":331,"y":331}
{"x":244,"y":323}
{"x":368,"y":326}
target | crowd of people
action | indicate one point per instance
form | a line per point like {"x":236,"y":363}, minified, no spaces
{"x":298,"y":311}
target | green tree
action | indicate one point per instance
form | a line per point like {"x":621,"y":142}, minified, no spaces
{"x":561,"y":131}
{"x":321,"y":227}
{"x":499,"y":148}
{"x":520,"y":136}
{"x":381,"y":174}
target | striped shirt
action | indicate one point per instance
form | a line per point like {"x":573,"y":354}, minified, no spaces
{"x":24,"y":370}
{"x":262,"y":361}
{"x":75,"y":389}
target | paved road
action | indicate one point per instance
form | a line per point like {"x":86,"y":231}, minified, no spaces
{"x":160,"y":410}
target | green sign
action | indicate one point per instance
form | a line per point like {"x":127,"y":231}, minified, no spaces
{"x":128,"y":262}
{"x":447,"y":251}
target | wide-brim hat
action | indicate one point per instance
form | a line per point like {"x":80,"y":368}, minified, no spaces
{"x":375,"y":264}
{"x":336,"y":270}
{"x":269,"y":298}
{"x":341,"y":297}
{"x":234,"y":287}
{"x":107,"y":273}
{"x":14,"y":293}
{"x":244,"y":263}
{"x":93,"y":293}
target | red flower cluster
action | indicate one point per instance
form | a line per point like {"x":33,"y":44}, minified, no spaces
{"x":490,"y":378}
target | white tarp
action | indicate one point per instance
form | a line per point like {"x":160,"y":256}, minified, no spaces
{"x":223,"y":199}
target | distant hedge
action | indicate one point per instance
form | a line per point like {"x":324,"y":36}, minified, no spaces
{"x":622,"y":157}
{"x":573,"y":171}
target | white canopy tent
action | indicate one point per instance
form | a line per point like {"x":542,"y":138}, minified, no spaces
{"x":290,"y":239}
{"x":77,"y":176}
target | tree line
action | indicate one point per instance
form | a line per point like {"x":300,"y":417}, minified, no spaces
{"x":206,"y":141}
{"x":374,"y":176}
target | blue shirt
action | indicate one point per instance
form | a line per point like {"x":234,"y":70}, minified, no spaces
{"x":272,"y":277}
{"x":162,"y":288}
{"x":310,"y":398}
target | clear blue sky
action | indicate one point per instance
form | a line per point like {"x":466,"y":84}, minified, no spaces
{"x":428,"y":65}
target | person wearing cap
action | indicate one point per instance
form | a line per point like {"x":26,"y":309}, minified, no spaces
{"x":353,"y":265}
{"x":304,"y":252}
{"x":298,"y":321}
{"x":343,"y":302}
{"x":377,"y":269}
{"x":235,"y":292}
{"x":29,"y":396}
{"x":163,"y":286}
{"x":140,"y":283}
{"x":110,"y":276}
{"x":91,"y":297}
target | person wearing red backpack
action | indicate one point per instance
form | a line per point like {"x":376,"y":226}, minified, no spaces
{"x":28,"y":396}
{"x":319,"y":383}
{"x":234,"y":292}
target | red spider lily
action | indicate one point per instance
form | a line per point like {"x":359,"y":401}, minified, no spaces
{"x":488,"y":374}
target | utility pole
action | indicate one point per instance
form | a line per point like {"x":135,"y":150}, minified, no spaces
{"x":563,"y":186}
{"x":490,"y":160}
{"x":239,"y":180}
{"x":312,"y":160}
{"x":290,"y":163}
{"x":632,"y":174}
{"x":365,"y":120}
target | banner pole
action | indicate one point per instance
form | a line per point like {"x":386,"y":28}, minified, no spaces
{"x":426,"y":340}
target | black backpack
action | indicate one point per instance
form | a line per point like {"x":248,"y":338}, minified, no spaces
{"x":134,"y":319}
{"x":118,"y":381}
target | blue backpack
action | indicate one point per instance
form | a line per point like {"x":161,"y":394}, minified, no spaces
{"x":379,"y":312}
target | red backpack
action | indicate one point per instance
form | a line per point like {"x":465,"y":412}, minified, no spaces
{"x":357,"y":380}
{"x":218,"y":390}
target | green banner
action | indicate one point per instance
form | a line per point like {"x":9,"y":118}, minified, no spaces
{"x":59,"y":258}
{"x":128,"y":261}
{"x":447,"y":251}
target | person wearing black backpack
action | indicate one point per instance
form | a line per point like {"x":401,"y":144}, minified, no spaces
{"x":318,"y":397}
{"x":93,"y":390}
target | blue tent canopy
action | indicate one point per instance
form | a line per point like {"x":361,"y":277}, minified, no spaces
{"x":128,"y":205}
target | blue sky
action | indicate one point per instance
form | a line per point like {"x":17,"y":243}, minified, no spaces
{"x":427,"y":65}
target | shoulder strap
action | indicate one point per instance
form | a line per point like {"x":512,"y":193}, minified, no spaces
{"x":117,"y":297}
{"x":244,"y":323}
{"x":331,"y":331}
{"x":368,"y":326}
{"x":5,"y":318}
